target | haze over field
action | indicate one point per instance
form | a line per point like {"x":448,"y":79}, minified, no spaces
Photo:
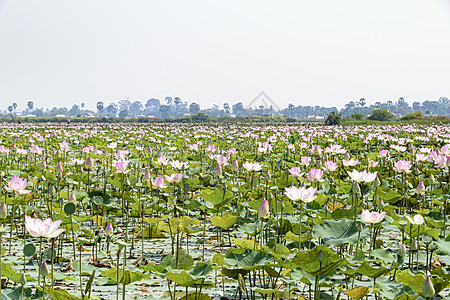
{"x":57,"y":53}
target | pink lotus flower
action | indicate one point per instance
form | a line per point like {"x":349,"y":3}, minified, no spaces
{"x":159,"y":183}
{"x":263,"y":210}
{"x":302,"y":194}
{"x":296,"y":172}
{"x":363,"y":176}
{"x":350,"y":163}
{"x":17,"y":185}
{"x":64,"y":146}
{"x":222,"y":160}
{"x":121,"y":166}
{"x":43,"y":165}
{"x":46,"y":228}
{"x":176,"y":164}
{"x":402,"y":166}
{"x":162,"y":160}
{"x":372,"y":217}
{"x":330,"y":166}
{"x":418,"y":219}
{"x":305,"y":160}
{"x":252,"y":167}
{"x":121,"y":154}
{"x":174,"y":177}
{"x":315,"y":174}
{"x":383,"y":153}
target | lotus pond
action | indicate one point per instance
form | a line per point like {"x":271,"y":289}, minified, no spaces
{"x":101,"y":211}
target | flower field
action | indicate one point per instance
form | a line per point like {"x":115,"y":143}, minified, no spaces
{"x":127,"y":211}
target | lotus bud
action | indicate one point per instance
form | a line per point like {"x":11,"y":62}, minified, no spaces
{"x":109,"y":230}
{"x":44,"y":269}
{"x":43,"y":165}
{"x":320,"y":256}
{"x":268,"y":176}
{"x":376,"y":182}
{"x":402,"y":251}
{"x":147,"y":176}
{"x":53,"y":190}
{"x":414,"y":245}
{"x":346,"y":156}
{"x":380,"y":204}
{"x":428,"y":288}
{"x":420,"y":188}
{"x":270,"y":195}
{"x":59,"y":170}
{"x":72,"y":198}
{"x":360,"y":227}
{"x":431,"y":180}
{"x":3,"y":211}
{"x":234,"y":165}
{"x":218,"y":170}
{"x":149,"y":150}
{"x":356,"y":188}
{"x":14,"y":146}
{"x":89,"y":163}
{"x":282,"y":206}
{"x":23,"y":279}
{"x":263,"y":210}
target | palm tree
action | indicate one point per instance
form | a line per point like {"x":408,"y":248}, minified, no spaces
{"x":14,"y":107}
{"x":100,"y":106}
{"x":30,"y":105}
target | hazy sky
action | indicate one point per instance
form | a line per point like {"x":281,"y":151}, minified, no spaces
{"x":327,"y":52}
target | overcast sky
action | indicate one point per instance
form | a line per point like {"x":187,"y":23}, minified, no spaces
{"x":304,"y":52}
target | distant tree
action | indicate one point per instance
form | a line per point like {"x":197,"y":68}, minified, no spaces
{"x":362,"y":102}
{"x":30,"y":105}
{"x":39,"y":112}
{"x":333,"y":118}
{"x":238,"y":109}
{"x":200,"y":118}
{"x":380,"y":115}
{"x":357,"y":116}
{"x":112,"y":108}
{"x":165,"y":111}
{"x":226,"y":108}
{"x":152,"y":104}
{"x":169,"y":100}
{"x":100,"y":106}
{"x":194,"y":108}
{"x":74,"y":111}
{"x":83,"y":105}
{"x":136,"y":107}
{"x":10,"y":108}
{"x":123,"y":113}
{"x":124,"y":104}
{"x":14,"y":105}
{"x":177,"y":101}
{"x":416,"y":106}
{"x":378,"y":104}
